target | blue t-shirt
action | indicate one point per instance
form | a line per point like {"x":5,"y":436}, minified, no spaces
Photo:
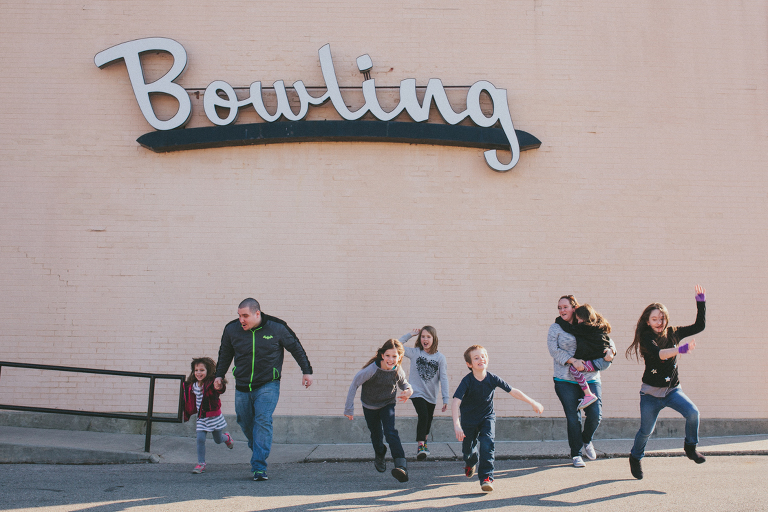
{"x":477,"y":397}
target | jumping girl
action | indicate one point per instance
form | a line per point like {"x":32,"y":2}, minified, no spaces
{"x":201,"y":398}
{"x":429,"y":370}
{"x":592,"y":344}
{"x":659,"y":344}
{"x":380,"y":378}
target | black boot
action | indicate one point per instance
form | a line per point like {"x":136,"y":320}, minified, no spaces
{"x":690,"y":451}
{"x":635,"y":468}
{"x":401,"y":470}
{"x":380,"y":462}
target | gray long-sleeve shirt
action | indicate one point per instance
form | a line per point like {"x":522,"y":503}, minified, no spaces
{"x":379,"y":387}
{"x":427,"y":371}
{"x":561,"y":347}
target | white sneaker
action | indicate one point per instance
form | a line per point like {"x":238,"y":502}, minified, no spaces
{"x":578,"y":462}
{"x":589,"y":451}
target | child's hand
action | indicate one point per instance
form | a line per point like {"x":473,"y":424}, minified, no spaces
{"x":415,"y":332}
{"x":459,"y":432}
{"x":349,"y":416}
{"x":445,"y":407}
{"x":701,"y":293}
{"x":609,"y":355}
{"x":686,"y":348}
{"x":218,"y":384}
{"x":405,"y":395}
{"x":537,"y":407}
{"x":578,"y":364}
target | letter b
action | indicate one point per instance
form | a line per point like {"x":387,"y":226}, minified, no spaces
{"x":130,"y":52}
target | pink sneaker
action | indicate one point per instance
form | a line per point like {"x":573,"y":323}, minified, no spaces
{"x":200,"y":468}
{"x":587,"y":401}
{"x":228,"y":441}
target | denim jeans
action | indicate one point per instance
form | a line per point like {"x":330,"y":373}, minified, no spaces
{"x":650,"y":407}
{"x":569,"y":394}
{"x":479,"y":446}
{"x":381,"y":423}
{"x":254,"y":415}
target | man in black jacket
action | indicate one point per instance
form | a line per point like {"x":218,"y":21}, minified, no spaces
{"x":256,"y":342}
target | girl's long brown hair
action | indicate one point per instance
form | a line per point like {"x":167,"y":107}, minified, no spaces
{"x":663,"y":340}
{"x":589,"y":316}
{"x":389,"y":344}
{"x":210,"y":370}
{"x":431,"y":330}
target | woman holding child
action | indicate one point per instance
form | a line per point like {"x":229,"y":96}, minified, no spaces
{"x":570,"y":370}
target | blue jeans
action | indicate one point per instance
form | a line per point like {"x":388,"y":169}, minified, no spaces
{"x":381,"y":423}
{"x":650,"y":407}
{"x":479,"y":446}
{"x":569,"y":394}
{"x":254,"y":415}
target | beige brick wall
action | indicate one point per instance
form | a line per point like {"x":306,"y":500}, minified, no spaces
{"x":650,"y":179}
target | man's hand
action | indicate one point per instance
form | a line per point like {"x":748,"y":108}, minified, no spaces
{"x":306,"y":381}
{"x":218,"y":384}
{"x":459,"y":432}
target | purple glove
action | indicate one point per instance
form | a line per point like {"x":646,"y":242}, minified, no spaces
{"x":683,"y":349}
{"x":700,"y":297}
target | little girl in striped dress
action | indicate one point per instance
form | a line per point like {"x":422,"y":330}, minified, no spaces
{"x":201,"y":398}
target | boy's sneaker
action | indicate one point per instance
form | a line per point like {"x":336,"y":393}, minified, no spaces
{"x":587,"y":401}
{"x":228,"y":441}
{"x":200,"y":468}
{"x":589,"y":451}
{"x":487,"y":484}
{"x":260,"y":476}
{"x":380,"y":463}
{"x":422,"y":452}
{"x":469,"y":472}
{"x":578,"y":462}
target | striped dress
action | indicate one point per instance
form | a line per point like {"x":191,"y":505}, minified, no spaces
{"x":212,"y":422}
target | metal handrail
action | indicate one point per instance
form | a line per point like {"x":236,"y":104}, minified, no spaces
{"x":149,"y":417}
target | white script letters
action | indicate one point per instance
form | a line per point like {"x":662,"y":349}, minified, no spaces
{"x":229,"y":102}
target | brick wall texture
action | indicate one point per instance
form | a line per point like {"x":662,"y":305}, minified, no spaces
{"x":651,"y":178}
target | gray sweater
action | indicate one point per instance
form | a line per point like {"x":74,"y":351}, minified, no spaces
{"x":379,"y":387}
{"x":427,"y":372}
{"x":561,"y":347}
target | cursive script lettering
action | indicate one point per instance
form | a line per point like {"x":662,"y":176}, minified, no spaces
{"x":220,"y":95}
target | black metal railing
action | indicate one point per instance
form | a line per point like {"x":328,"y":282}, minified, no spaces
{"x":149,"y":417}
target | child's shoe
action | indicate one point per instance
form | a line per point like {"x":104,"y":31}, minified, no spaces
{"x":635,"y":467}
{"x":578,"y":462}
{"x":380,"y":463}
{"x":587,"y":401}
{"x":228,"y":441}
{"x":487,"y":484}
{"x":469,"y":472}
{"x":260,"y":476}
{"x":422,"y":452}
{"x":200,"y":468}
{"x":401,"y":470}
{"x":691,"y":453}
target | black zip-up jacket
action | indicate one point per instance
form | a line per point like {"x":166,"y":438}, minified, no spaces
{"x":258,"y":352}
{"x":663,"y":373}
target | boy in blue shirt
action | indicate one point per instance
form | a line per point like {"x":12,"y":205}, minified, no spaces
{"x":474,"y":399}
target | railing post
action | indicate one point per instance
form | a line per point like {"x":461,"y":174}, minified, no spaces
{"x":150,"y":406}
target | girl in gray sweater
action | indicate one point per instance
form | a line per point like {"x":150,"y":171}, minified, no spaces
{"x":429,"y":370}
{"x":380,"y":378}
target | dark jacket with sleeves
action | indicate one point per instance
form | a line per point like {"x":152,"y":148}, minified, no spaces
{"x":591,"y":341}
{"x":258,"y":353}
{"x":663,"y":373}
